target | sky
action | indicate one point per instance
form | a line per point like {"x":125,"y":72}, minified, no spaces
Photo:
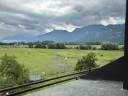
{"x":37,"y":17}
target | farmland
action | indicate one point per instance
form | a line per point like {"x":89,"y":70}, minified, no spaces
{"x":55,"y":61}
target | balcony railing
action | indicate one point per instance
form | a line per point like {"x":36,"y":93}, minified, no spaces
{"x":21,"y":89}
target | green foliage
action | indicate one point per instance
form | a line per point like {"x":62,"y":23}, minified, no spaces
{"x":93,"y":43}
{"x":87,"y":62}
{"x":11,"y":72}
{"x":30,"y":45}
{"x":94,"y":48}
{"x":39,"y":45}
{"x":87,"y":47}
{"x":77,"y":47}
{"x":46,"y":44}
{"x":56,"y":46}
{"x":51,"y":46}
{"x":109,"y":46}
{"x":60,"y":46}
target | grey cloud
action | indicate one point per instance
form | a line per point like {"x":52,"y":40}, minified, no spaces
{"x":21,"y":16}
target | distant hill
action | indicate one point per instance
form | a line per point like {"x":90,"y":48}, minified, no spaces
{"x":91,"y":33}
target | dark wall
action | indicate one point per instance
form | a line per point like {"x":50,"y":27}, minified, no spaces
{"x":114,"y":71}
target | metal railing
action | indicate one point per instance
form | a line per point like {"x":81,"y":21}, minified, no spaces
{"x":20,"y":89}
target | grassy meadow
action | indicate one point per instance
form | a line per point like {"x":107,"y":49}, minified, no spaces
{"x":55,"y":61}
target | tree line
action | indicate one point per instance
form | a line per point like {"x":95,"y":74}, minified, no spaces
{"x":49,"y":45}
{"x":63,"y":45}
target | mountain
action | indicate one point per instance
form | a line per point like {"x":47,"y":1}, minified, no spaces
{"x":91,"y":33}
{"x":56,"y":35}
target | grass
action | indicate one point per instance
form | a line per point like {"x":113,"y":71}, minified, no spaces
{"x":55,"y":61}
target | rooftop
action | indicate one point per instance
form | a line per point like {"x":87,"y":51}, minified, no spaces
{"x":83,"y":87}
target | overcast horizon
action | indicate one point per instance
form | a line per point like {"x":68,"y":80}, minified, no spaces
{"x":36,"y":17}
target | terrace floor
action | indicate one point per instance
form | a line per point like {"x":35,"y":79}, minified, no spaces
{"x":84,"y":88}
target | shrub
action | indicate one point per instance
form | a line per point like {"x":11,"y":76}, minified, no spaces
{"x":51,"y":46}
{"x":30,"y":45}
{"x":40,"y":46}
{"x":77,"y":47}
{"x":60,"y":46}
{"x":11,"y":72}
{"x":87,"y":47}
{"x":109,"y":46}
{"x":56,"y":46}
{"x":86,"y":62}
{"x":94,"y":48}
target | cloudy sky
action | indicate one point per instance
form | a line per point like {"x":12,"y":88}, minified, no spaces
{"x":40,"y":16}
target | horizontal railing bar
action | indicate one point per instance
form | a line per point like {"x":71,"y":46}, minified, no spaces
{"x":41,"y":81}
{"x":10,"y":90}
{"x":30,"y":89}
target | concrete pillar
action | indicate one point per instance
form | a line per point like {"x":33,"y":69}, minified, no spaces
{"x":125,"y":83}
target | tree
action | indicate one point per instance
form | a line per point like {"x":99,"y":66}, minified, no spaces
{"x":60,"y":46}
{"x":86,"y":62}
{"x":109,"y":46}
{"x":39,"y":45}
{"x":30,"y":45}
{"x":87,"y":47}
{"x":51,"y":46}
{"x":11,"y":72}
{"x":56,"y":46}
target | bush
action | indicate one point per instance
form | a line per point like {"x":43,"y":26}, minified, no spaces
{"x":30,"y":45}
{"x":87,"y":62}
{"x":51,"y":46}
{"x":77,"y":47}
{"x":60,"y":46}
{"x":94,"y":48}
{"x":40,"y":46}
{"x":87,"y":47}
{"x":109,"y":46}
{"x":11,"y":72}
{"x":56,"y":46}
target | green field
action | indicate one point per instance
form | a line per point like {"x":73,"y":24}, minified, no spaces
{"x":55,"y":61}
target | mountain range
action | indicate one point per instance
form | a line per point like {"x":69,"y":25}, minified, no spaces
{"x":91,"y":33}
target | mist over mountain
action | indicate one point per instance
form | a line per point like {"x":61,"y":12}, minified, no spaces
{"x":20,"y":37}
{"x":91,"y":33}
